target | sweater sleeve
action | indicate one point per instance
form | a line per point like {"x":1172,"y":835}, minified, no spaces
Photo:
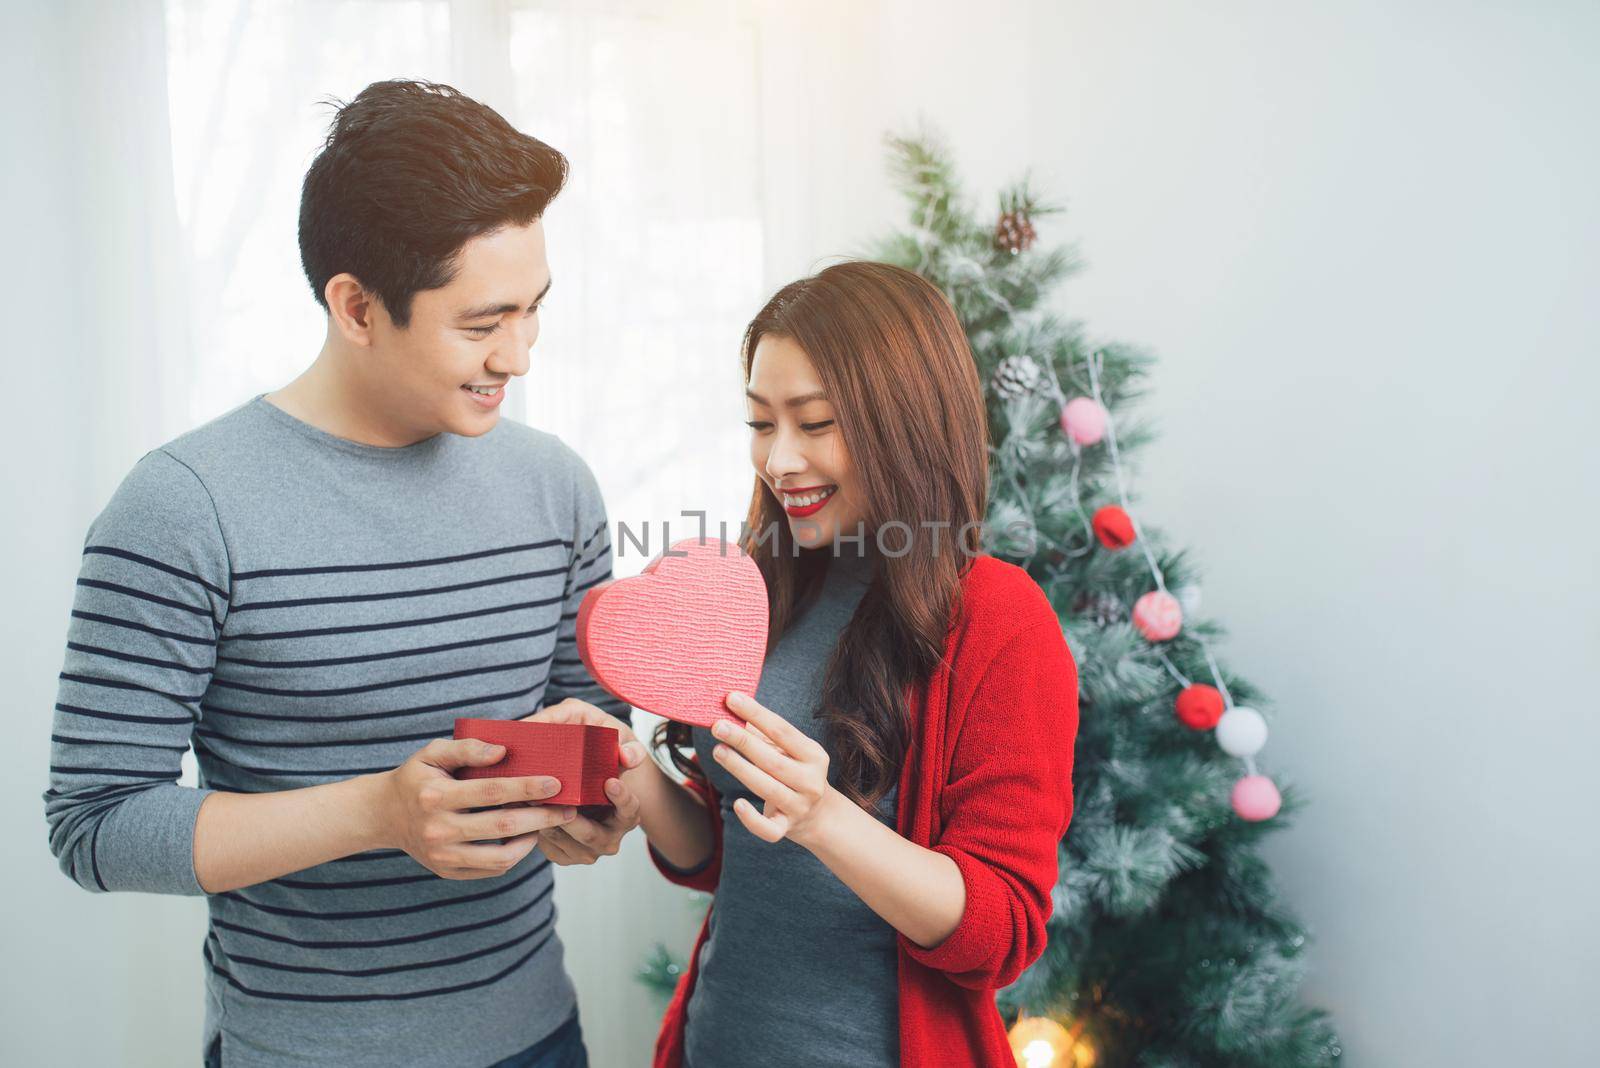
{"x":590,"y":566}
{"x":152,"y":594}
{"x":708,"y":872}
{"x":1006,"y":808}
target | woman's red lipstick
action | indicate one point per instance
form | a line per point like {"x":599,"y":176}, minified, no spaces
{"x":800,"y":512}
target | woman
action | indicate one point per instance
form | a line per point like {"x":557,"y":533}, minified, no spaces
{"x":881,"y":832}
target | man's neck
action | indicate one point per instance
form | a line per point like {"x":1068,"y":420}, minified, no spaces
{"x":327,"y":397}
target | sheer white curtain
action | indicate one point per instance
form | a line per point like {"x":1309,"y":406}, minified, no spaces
{"x":246,"y":82}
{"x":655,"y":246}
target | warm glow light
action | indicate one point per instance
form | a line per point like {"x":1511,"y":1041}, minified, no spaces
{"x":1040,"y":1042}
{"x":1038,"y":1054}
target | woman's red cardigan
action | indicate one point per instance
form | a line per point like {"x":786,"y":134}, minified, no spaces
{"x":987,"y":782}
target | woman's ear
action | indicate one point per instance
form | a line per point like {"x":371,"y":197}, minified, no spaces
{"x":351,"y":308}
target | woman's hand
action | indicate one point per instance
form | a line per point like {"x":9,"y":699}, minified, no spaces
{"x":783,"y":767}
{"x":582,"y":840}
{"x":918,"y":891}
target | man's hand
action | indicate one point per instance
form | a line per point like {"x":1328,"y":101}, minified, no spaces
{"x":583,"y":840}
{"x":422,"y":808}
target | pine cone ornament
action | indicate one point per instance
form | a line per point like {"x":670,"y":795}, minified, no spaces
{"x":1104,"y":608}
{"x":1016,"y":376}
{"x":1014,"y":233}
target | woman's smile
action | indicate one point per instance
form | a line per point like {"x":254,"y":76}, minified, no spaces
{"x":806,"y":500}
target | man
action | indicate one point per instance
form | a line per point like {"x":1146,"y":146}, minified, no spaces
{"x":310,"y":589}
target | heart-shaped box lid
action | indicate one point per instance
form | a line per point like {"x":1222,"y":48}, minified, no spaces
{"x":677,"y":637}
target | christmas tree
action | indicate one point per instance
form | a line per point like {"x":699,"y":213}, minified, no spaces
{"x":1168,"y":944}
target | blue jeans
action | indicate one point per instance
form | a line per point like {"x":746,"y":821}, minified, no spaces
{"x":562,"y":1048}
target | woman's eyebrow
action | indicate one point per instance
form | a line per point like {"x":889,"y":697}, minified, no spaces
{"x":792,"y":402}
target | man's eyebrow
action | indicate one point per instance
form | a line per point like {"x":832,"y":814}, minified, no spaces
{"x":792,"y":402}
{"x":486,"y":310}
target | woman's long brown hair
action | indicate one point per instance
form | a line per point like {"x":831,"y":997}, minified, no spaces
{"x":895,"y":364}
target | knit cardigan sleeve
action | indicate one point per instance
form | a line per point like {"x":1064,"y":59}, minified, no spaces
{"x":1005,"y":807}
{"x":708,"y":872}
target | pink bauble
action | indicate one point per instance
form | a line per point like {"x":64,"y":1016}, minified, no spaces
{"x":1255,"y":798}
{"x":1158,"y":615}
{"x":1084,"y":420}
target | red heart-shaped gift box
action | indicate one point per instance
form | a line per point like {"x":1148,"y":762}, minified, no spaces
{"x":677,"y":637}
{"x":582,"y":757}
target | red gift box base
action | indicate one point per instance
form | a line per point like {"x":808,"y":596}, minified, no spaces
{"x":582,"y":757}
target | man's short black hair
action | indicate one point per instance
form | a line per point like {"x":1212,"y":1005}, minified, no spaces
{"x":410,"y":172}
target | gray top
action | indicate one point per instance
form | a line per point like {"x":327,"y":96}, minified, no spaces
{"x":301,"y":609}
{"x":796,"y":970}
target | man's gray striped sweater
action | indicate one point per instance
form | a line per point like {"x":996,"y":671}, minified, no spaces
{"x":301,"y":608}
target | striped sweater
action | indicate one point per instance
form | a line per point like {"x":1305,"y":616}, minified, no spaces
{"x":299,"y":608}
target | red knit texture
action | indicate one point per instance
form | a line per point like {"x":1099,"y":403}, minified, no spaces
{"x":988,"y":783}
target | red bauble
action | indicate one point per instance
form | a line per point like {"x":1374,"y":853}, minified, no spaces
{"x":1113,"y":527}
{"x":1199,"y":706}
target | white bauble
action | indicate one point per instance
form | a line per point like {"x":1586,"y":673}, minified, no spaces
{"x":1241,"y":731}
{"x":1189,"y":598}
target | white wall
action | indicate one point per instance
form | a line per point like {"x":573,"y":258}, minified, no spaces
{"x":1365,"y":239}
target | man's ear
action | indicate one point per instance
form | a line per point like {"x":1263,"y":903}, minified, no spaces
{"x":351,"y":308}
